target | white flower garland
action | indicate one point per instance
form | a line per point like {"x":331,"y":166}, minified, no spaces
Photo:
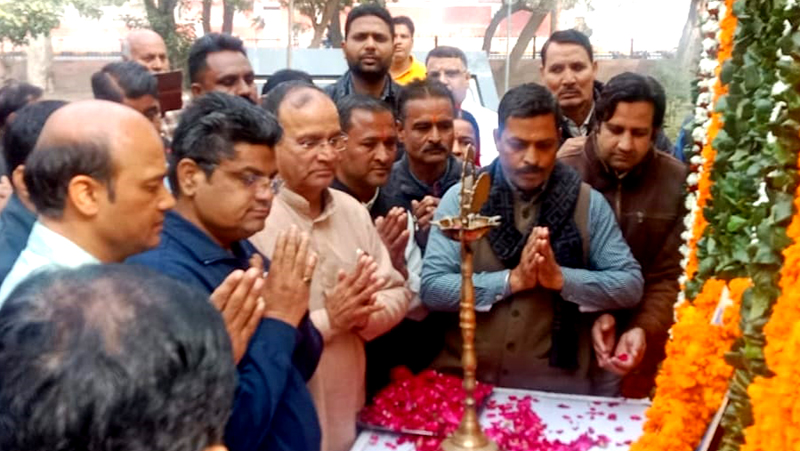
{"x":710,"y":27}
{"x":781,"y":86}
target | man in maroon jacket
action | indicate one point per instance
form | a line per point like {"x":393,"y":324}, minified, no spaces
{"x":645,"y":189}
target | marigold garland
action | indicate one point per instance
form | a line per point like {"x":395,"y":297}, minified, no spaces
{"x":776,"y":413}
{"x":694,"y":377}
{"x":708,"y":154}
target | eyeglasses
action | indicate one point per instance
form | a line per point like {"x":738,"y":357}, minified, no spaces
{"x":337,"y":143}
{"x":261,"y":183}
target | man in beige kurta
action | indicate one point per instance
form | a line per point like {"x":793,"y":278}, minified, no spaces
{"x":356,"y":294}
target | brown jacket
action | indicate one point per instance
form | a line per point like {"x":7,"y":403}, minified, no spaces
{"x":649,"y":205}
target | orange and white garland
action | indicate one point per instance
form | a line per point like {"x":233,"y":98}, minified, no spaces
{"x":720,"y":23}
{"x":694,"y":377}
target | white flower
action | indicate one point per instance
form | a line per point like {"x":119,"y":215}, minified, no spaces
{"x":708,"y":66}
{"x":779,"y":88}
{"x":787,"y":27}
{"x":698,"y":134}
{"x":692,"y":179}
{"x":710,"y":27}
{"x":700,"y":115}
{"x":691,"y":201}
{"x":697,"y":159}
{"x":789,"y":5}
{"x":771,"y":139}
{"x":763,"y":198}
{"x":704,"y":98}
{"x":704,"y":16}
{"x":710,"y":44}
{"x":753,"y":236}
{"x":776,"y":111}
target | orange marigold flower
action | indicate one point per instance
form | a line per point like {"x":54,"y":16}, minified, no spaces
{"x":694,"y":377}
{"x":776,"y":414}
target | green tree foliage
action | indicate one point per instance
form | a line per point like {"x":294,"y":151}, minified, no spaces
{"x":324,"y":16}
{"x":21,"y":20}
{"x":538,"y":9}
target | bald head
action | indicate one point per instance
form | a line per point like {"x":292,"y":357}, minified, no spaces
{"x":87,"y":138}
{"x":97,"y":172}
{"x":93,"y":121}
{"x":308,"y":153}
{"x":305,"y":97}
{"x":147,"y":48}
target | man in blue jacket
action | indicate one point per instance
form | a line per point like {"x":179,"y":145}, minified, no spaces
{"x":222,"y":168}
{"x":19,"y":139}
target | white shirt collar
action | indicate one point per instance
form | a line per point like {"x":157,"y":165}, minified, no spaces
{"x":45,"y":248}
{"x":583,"y":129}
{"x":57,"y":248}
{"x":371,"y":202}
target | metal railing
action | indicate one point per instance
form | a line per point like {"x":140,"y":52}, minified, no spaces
{"x":643,"y":55}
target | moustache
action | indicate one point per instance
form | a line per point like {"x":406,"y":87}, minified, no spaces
{"x":435,"y":148}
{"x":530,"y":170}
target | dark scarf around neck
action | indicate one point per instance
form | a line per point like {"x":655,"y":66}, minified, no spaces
{"x":556,"y":212}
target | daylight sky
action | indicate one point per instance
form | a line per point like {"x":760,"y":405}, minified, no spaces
{"x":653,"y":24}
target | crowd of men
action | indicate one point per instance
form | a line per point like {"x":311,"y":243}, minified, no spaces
{"x":257,"y":299}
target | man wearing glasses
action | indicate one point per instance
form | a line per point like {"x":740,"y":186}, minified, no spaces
{"x":356,"y":294}
{"x":449,"y":66}
{"x":222,"y":168}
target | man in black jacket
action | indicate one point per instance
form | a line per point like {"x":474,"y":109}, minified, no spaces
{"x":569,"y":71}
{"x":19,"y":139}
{"x":368,"y":48}
{"x":428,"y":168}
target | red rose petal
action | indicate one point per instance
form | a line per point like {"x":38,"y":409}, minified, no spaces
{"x":432,"y":401}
